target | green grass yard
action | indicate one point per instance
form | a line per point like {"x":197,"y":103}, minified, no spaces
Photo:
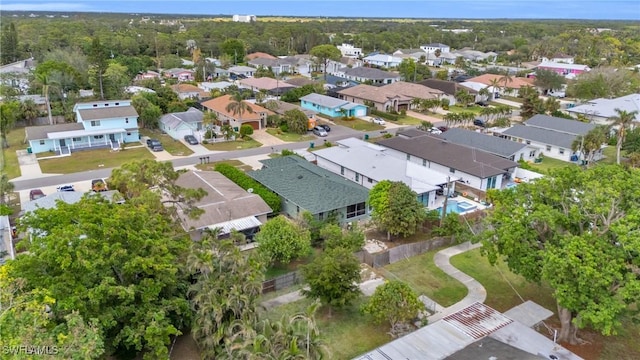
{"x":93,"y":160}
{"x":233,"y":145}
{"x":358,"y":124}
{"x":289,"y":137}
{"x":9,"y":160}
{"x":474,"y":109}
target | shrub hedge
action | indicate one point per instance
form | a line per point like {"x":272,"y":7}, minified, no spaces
{"x":246,"y":182}
{"x":384,"y":115}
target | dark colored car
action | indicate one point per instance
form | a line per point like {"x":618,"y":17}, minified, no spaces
{"x":482,"y":103}
{"x":191,"y":140}
{"x":36,"y":194}
{"x":325,"y":127}
{"x":479,"y":122}
{"x":443,"y":128}
{"x":66,"y":188}
{"x":154,"y":145}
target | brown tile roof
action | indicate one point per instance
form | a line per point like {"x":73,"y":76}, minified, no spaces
{"x":412,"y":90}
{"x":266,"y":83}
{"x":260,"y":55}
{"x":40,"y":132}
{"x":300,"y":81}
{"x":515,"y":83}
{"x":188,"y":88}
{"x":462,"y":158}
{"x":108,"y":113}
{"x":225,"y":201}
{"x":219,"y":105}
{"x":371,"y":93}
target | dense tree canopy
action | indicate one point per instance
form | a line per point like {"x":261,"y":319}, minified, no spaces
{"x":395,"y":302}
{"x":577,"y":233}
{"x":396,"y":208}
{"x":281,"y":240}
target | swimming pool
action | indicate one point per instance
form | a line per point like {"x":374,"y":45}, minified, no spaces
{"x":457,"y":207}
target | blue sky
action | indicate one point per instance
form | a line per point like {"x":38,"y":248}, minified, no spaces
{"x":479,"y":9}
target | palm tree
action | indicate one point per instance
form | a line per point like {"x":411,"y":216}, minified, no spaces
{"x":45,"y":81}
{"x":623,"y":120}
{"x":506,"y":79}
{"x":417,"y":103}
{"x":29,"y":111}
{"x":495,"y":85}
{"x":484,"y":92}
{"x":209,"y":119}
{"x":238,"y":107}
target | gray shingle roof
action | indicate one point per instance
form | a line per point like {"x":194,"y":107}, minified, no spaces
{"x":462,"y":158}
{"x":108,"y":113}
{"x":491,"y":144}
{"x":370,"y":73}
{"x":559,"y":124}
{"x":40,"y":132}
{"x":70,"y":197}
{"x":543,"y":136}
{"x":607,"y":107}
{"x":308,"y":186}
{"x":190,"y":116}
{"x":324,"y":100}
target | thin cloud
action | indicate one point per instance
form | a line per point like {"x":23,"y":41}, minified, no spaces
{"x":53,"y":6}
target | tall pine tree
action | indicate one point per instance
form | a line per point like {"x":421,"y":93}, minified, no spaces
{"x":9,"y":51}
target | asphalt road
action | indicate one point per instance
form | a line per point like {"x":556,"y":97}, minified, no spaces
{"x":337,"y":133}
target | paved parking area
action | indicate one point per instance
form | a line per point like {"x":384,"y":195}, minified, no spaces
{"x":265,"y":138}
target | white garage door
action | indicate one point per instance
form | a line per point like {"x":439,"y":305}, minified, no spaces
{"x":361,"y":112}
{"x":179,"y":134}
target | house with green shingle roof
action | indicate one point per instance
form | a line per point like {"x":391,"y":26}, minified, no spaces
{"x":303,"y":186}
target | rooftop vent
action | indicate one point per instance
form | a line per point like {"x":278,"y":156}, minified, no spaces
{"x":299,"y":177}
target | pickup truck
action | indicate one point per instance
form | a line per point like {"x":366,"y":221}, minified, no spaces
{"x":154,"y":145}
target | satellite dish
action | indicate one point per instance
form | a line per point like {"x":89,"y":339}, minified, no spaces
{"x":250,"y":190}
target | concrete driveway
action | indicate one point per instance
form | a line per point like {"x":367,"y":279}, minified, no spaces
{"x":265,"y":138}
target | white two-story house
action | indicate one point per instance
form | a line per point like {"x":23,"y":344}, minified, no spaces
{"x":108,"y":123}
{"x":367,"y":164}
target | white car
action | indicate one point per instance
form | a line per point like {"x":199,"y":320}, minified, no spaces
{"x":435,"y":131}
{"x":377,"y":120}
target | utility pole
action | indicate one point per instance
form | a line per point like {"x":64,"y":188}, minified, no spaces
{"x":446,"y":199}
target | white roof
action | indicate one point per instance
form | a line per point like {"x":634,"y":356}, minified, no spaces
{"x":558,"y":65}
{"x":476,"y":85}
{"x":607,"y":107}
{"x":237,"y":224}
{"x":80,"y":133}
{"x":138,"y":89}
{"x":214,"y":85}
{"x":372,"y":161}
{"x":383,"y":58}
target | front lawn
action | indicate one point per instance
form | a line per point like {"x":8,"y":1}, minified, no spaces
{"x":408,"y":120}
{"x":358,"y":124}
{"x":422,"y":274}
{"x":15,"y":139}
{"x":474,"y":109}
{"x":549,"y":163}
{"x":93,"y":160}
{"x":173,"y":146}
{"x":235,"y":163}
{"x":512,"y":98}
{"x":347,"y":333}
{"x":289,"y":137}
{"x":233,"y":145}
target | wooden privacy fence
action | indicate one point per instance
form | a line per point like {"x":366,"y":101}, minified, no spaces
{"x":402,"y":252}
{"x":282,"y":282}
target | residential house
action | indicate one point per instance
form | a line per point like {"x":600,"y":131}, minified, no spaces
{"x":148,"y":75}
{"x":301,"y":81}
{"x":277,"y":65}
{"x":241,"y":71}
{"x":271,"y":86}
{"x":475,"y":55}
{"x":474,"y":88}
{"x":332,"y":81}
{"x":180,"y":74}
{"x":477,"y":331}
{"x":282,"y":107}
{"x":39,"y":100}
{"x":258,"y":54}
{"x":244,"y":18}
{"x":383,"y":60}
{"x":553,"y":136}
{"x":444,"y":58}
{"x":400,"y":52}
{"x":188,"y":91}
{"x":569,"y":70}
{"x":179,"y":124}
{"x":70,"y":197}
{"x":430,"y":48}
{"x":138,"y":89}
{"x":106,"y":123}
{"x":369,"y":75}
{"x":338,"y":67}
{"x":512,"y":86}
{"x":560,"y":58}
{"x":367,"y":164}
{"x":210,"y":86}
{"x":16,"y":75}
{"x":475,"y":168}
{"x":449,"y":89}
{"x":495,"y":145}
{"x":331,"y":106}
{"x":600,"y":111}
{"x":303,"y":186}
{"x":226,"y":206}
{"x":349,"y":50}
{"x":396,"y":96}
{"x":257,"y":118}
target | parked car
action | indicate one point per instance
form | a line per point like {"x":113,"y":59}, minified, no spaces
{"x":325,"y":127}
{"x":154,"y":145}
{"x":482,"y":103}
{"x":435,"y":131}
{"x":319,"y":131}
{"x":443,"y":128}
{"x":66,"y":188}
{"x":377,"y":120}
{"x":191,"y":140}
{"x":36,"y":194}
{"x":479,"y":122}
{"x":98,"y":185}
{"x":557,"y":93}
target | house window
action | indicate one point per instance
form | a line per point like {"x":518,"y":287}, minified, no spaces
{"x":370,"y":180}
{"x":561,"y":150}
{"x":452,"y":170}
{"x":356,"y":210}
{"x":77,"y":139}
{"x":117,"y":104}
{"x":126,"y":120}
{"x":321,"y":216}
{"x":424,"y":162}
{"x":98,"y":136}
{"x":548,"y":147}
{"x":424,"y":199}
{"x":357,"y":177}
{"x":528,"y":142}
{"x":532,"y":153}
{"x":95,"y":123}
{"x":341,"y":170}
{"x":491,"y":182}
{"x":106,"y":104}
{"x":297,"y":209}
{"x":95,"y":105}
{"x":41,"y":142}
{"x":128,"y":134}
{"x":408,"y":157}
